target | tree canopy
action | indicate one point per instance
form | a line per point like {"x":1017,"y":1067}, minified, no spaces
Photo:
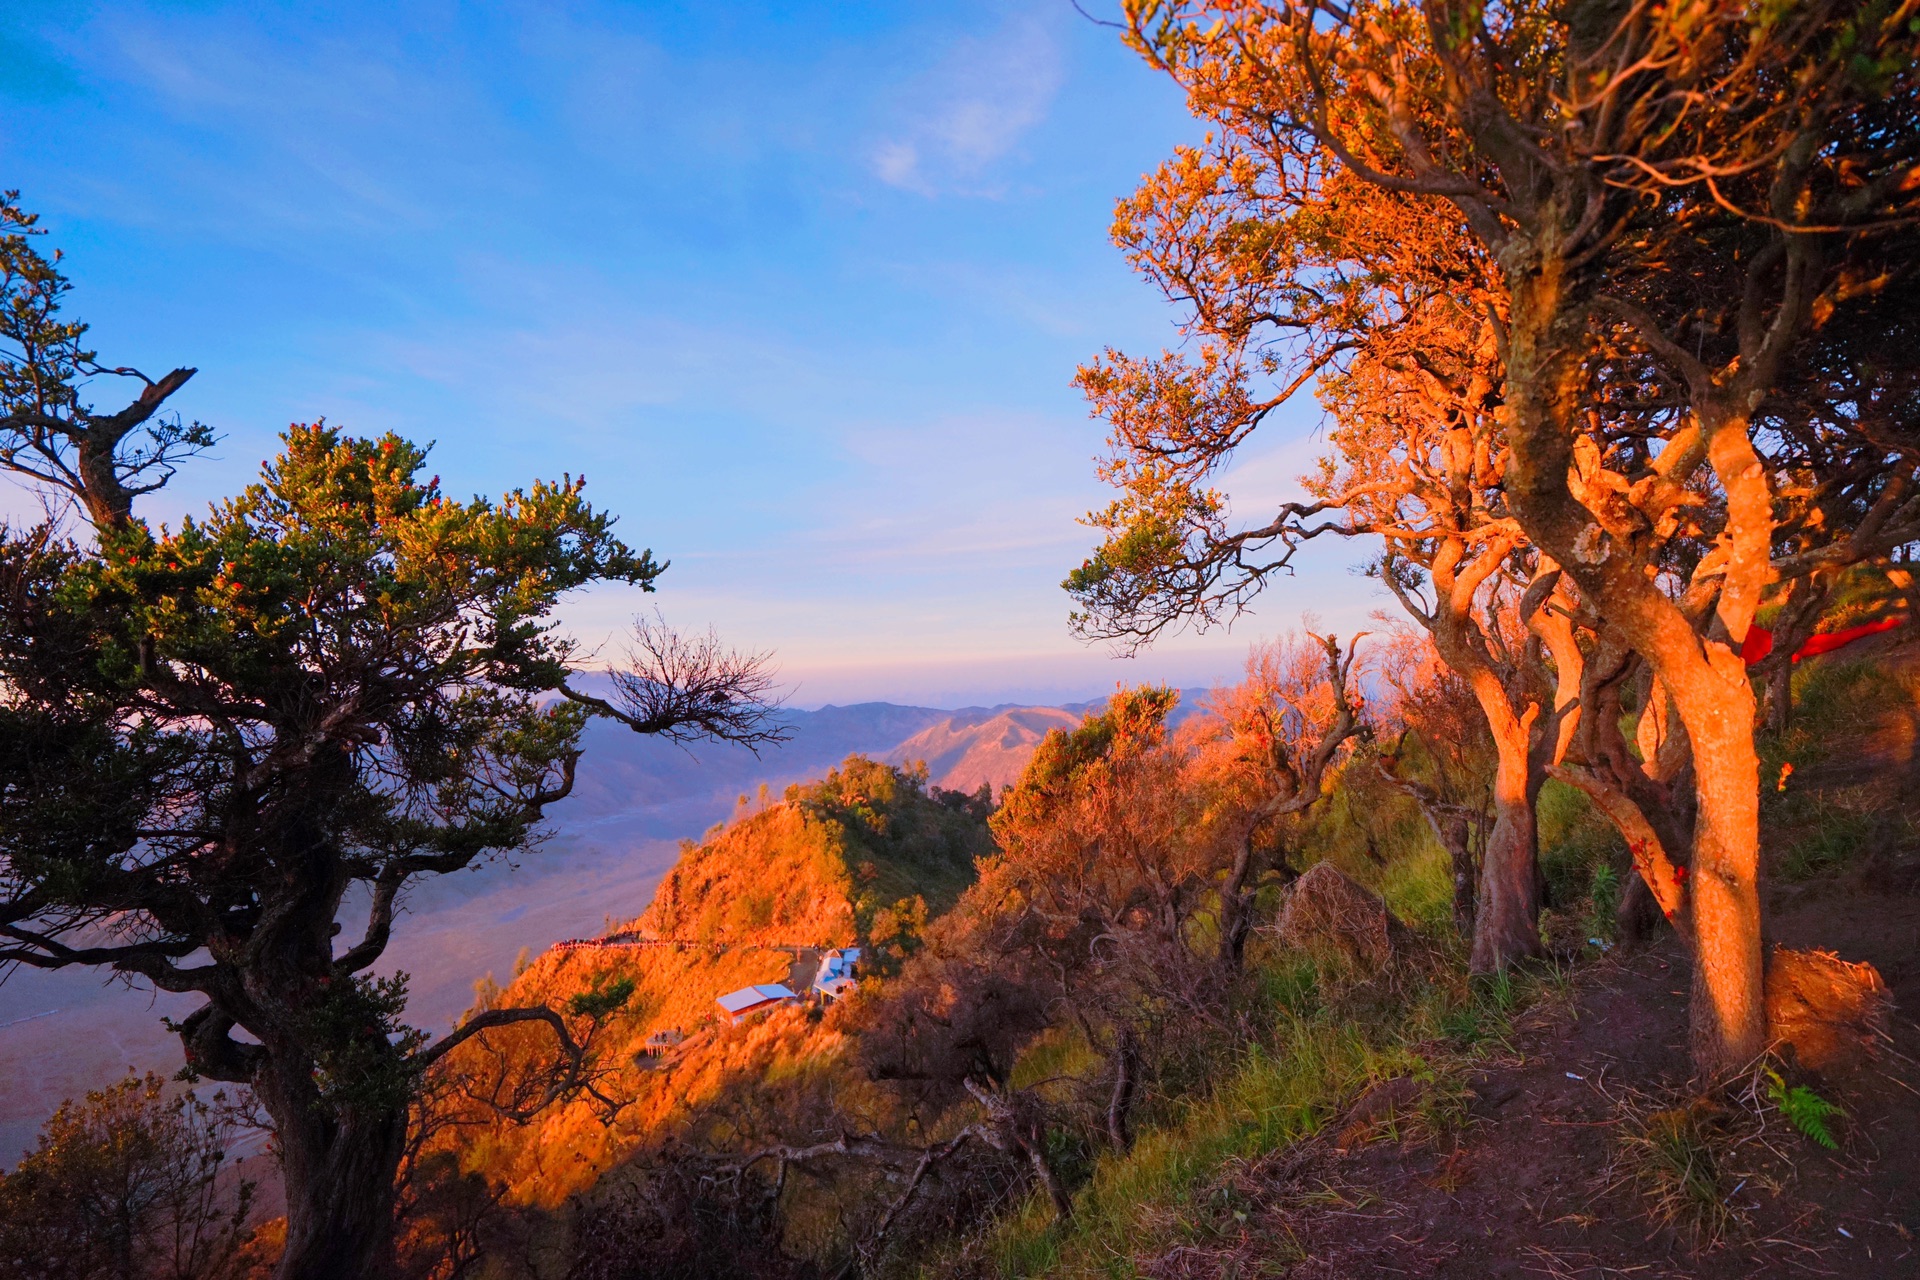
{"x":223,"y":742}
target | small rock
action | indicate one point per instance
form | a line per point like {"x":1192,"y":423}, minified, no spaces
{"x":1829,"y":1010}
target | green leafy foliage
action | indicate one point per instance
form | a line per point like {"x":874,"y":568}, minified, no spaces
{"x":1805,"y":1110}
{"x":360,"y":1045}
{"x":1575,"y":839}
{"x":127,"y":1183}
{"x":867,"y":854}
{"x":911,"y":847}
{"x":218,"y":736}
{"x":603,"y":1001}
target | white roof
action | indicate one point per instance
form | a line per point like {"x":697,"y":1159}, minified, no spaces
{"x":835,"y":987}
{"x":837,"y":961}
{"x":750,"y":997}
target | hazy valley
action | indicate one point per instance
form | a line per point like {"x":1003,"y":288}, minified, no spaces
{"x":634,"y":801}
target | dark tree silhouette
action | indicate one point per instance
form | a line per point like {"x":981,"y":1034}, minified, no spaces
{"x":214,"y":738}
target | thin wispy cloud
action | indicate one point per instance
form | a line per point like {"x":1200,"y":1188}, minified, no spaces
{"x":972,"y":109}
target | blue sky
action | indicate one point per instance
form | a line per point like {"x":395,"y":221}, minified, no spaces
{"x":799,"y":287}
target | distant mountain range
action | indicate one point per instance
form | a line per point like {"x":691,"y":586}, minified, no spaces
{"x":643,"y":785}
{"x":990,"y":745}
{"x":634,"y":800}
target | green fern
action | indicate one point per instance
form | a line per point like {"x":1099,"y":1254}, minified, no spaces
{"x":1804,"y":1109}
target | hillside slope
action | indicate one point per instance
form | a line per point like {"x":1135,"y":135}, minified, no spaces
{"x":1550,"y":1125}
{"x":866,"y":855}
{"x":835,"y":862}
{"x":63,"y":1033}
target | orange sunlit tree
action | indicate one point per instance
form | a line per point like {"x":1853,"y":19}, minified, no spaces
{"x":1686,"y":193}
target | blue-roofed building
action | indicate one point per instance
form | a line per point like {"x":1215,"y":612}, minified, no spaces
{"x":747,"y":1001}
{"x":831,"y":989}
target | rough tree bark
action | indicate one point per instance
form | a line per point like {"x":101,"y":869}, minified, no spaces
{"x":1015,"y":1126}
{"x":1705,"y":677}
{"x":1506,"y":924}
{"x":1507,"y":915}
{"x":338,"y":1170}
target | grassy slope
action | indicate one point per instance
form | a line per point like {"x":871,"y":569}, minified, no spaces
{"x":1329,"y":1041}
{"x":834,"y":864}
{"x":1844,"y":797}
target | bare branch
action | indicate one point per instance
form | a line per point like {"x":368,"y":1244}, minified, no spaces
{"x":693,"y":689}
{"x":487,"y":1020}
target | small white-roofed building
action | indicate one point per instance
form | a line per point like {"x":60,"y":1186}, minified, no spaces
{"x":747,"y":1001}
{"x":838,"y":973}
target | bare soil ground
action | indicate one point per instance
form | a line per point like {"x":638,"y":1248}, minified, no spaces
{"x":1536,"y":1181}
{"x":1535,"y":1174}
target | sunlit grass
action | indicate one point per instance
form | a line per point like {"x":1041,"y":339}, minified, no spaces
{"x":1270,"y":1095}
{"x":1323,"y":1044}
{"x":1838,"y":706}
{"x":1575,"y":840}
{"x":1419,"y":887}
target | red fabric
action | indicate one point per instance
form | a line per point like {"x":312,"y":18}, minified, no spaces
{"x":1839,"y":639}
{"x":1759,"y":641}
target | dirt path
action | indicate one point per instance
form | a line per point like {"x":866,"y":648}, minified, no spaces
{"x":1533,"y":1183}
{"x":1535,"y":1176}
{"x":804,"y":969}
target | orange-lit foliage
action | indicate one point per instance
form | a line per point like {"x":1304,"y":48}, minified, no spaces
{"x":1442,"y":754}
{"x":1120,"y":898}
{"x":1097,"y":834}
{"x":1298,"y":270}
{"x":838,"y":859}
{"x":1679,"y":200}
{"x":1256,"y":738}
{"x":1097,"y":920}
{"x":855,"y":857}
{"x":1263,"y":754}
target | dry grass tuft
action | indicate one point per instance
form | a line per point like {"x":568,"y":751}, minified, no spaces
{"x":1330,"y":915}
{"x":1702,"y":1162}
{"x":1678,"y":1158}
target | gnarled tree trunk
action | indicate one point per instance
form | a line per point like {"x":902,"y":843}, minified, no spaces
{"x":1506,"y":927}
{"x":1236,"y":899}
{"x":1126,"y":1071}
{"x":1595,"y":537}
{"x":1505,"y":914}
{"x":1729,"y":1022}
{"x":339,"y":1168}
